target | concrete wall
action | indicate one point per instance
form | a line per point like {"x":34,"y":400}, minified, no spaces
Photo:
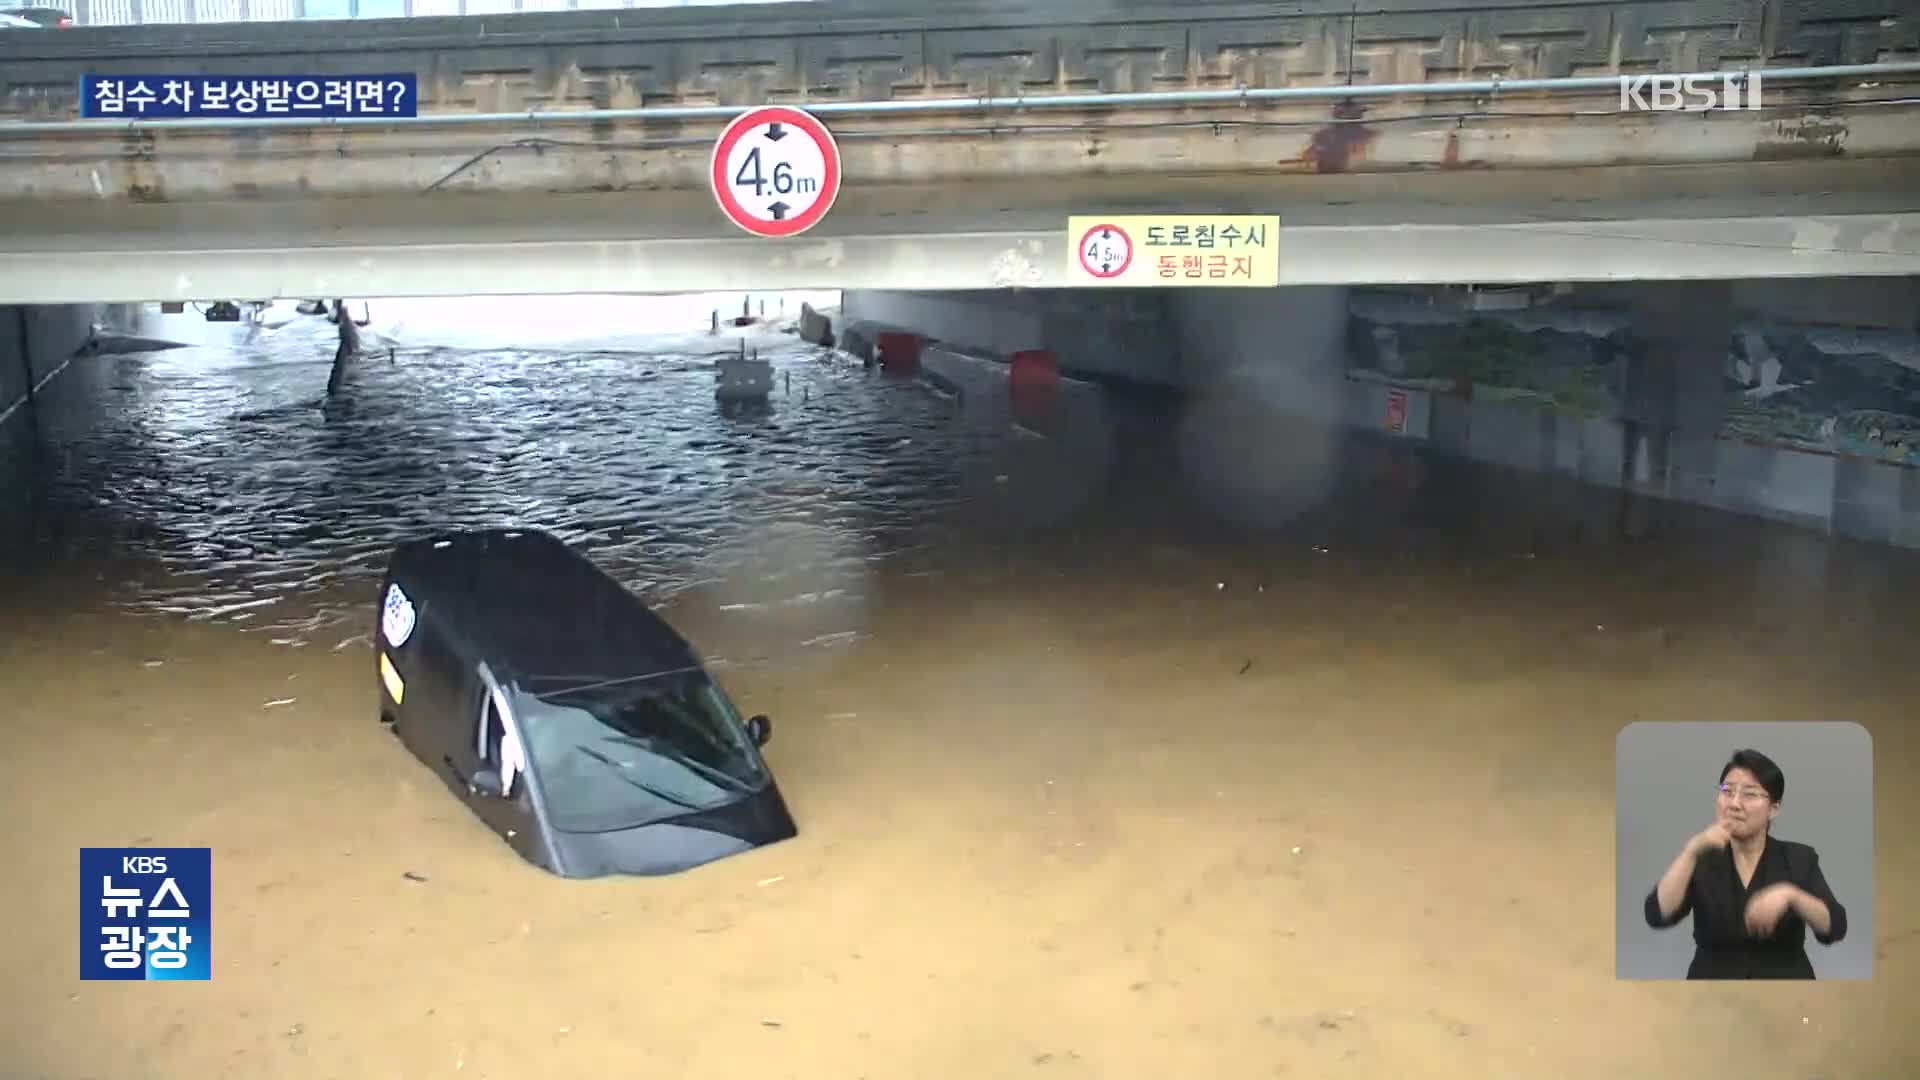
{"x":874,"y":49}
{"x":1884,"y":303}
{"x":1849,"y":496}
{"x":844,"y":51}
{"x":1289,"y":347}
{"x":1194,"y":340}
{"x":1120,"y":335}
{"x":35,"y":343}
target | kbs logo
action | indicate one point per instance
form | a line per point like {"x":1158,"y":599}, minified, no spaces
{"x":146,"y":913}
{"x":1689,"y":93}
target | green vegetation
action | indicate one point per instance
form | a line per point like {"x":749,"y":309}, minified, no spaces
{"x":1574,"y":372}
{"x":1859,"y":403}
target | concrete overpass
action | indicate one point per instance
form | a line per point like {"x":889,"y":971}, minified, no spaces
{"x":1414,"y":140}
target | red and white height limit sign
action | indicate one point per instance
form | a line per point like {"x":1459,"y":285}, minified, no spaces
{"x":776,"y":171}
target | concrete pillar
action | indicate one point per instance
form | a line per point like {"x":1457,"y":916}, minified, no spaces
{"x":348,"y":350}
{"x":1673,"y":400}
{"x":1264,"y":375}
{"x":1881,"y":303}
{"x":1260,"y":333}
{"x":36,"y":341}
{"x":17,"y":376}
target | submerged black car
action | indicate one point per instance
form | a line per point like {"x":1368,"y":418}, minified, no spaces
{"x":566,"y":714}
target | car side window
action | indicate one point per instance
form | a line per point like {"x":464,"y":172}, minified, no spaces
{"x":492,"y":729}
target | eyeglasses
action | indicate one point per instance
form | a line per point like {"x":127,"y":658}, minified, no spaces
{"x":1747,"y":794}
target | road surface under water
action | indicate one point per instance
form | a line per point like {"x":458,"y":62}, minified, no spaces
{"x":1152,"y":744}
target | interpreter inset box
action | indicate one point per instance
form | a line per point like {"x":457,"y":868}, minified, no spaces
{"x":1743,"y":850}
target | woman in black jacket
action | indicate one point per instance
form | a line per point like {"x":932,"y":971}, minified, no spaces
{"x":1752,"y":895}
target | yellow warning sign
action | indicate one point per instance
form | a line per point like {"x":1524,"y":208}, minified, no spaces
{"x":1146,"y":250}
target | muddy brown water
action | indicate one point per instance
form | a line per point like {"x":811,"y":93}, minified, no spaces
{"x":1154,"y":748}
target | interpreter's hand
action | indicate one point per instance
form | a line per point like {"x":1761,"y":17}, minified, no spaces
{"x":1709,"y":838}
{"x":1767,"y":907}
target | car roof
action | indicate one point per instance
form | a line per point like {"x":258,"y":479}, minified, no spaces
{"x":533,"y":607}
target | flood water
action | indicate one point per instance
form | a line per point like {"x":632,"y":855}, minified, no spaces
{"x":1137,"y":741}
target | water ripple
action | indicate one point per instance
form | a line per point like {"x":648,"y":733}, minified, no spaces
{"x":259,"y":506}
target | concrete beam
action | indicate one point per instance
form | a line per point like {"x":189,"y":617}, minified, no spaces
{"x":1574,"y":224}
{"x":1085,"y":145}
{"x":1633,"y":249}
{"x":1838,"y":185}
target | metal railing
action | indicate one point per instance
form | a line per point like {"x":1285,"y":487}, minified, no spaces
{"x":1149,"y":99}
{"x":154,"y":12}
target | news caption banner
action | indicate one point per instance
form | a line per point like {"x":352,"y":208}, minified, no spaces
{"x":1159,"y":250}
{"x":170,"y":97}
{"x":775,"y":171}
{"x":146,"y":914}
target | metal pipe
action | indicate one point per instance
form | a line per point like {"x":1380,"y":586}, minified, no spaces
{"x":1142,"y":99}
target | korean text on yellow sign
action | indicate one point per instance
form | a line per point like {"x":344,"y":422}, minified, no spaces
{"x":1147,"y":250}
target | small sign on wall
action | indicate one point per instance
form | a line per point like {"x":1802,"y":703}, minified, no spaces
{"x":1401,"y":411}
{"x":1397,"y":411}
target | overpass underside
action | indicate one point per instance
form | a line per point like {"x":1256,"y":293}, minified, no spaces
{"x":1770,"y":219}
{"x":968,"y":135}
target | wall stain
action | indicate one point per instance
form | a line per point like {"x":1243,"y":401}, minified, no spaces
{"x":1810,"y":137}
{"x":1335,"y":147}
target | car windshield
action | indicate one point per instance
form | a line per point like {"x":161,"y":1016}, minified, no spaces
{"x":616,"y":754}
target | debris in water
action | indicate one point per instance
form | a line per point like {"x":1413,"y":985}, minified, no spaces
{"x":774,"y":880}
{"x":1246,"y":667}
{"x":229,"y":609}
{"x":276,"y":702}
{"x":411,"y":876}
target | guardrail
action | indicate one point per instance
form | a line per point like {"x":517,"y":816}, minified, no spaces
{"x":1165,"y":99}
